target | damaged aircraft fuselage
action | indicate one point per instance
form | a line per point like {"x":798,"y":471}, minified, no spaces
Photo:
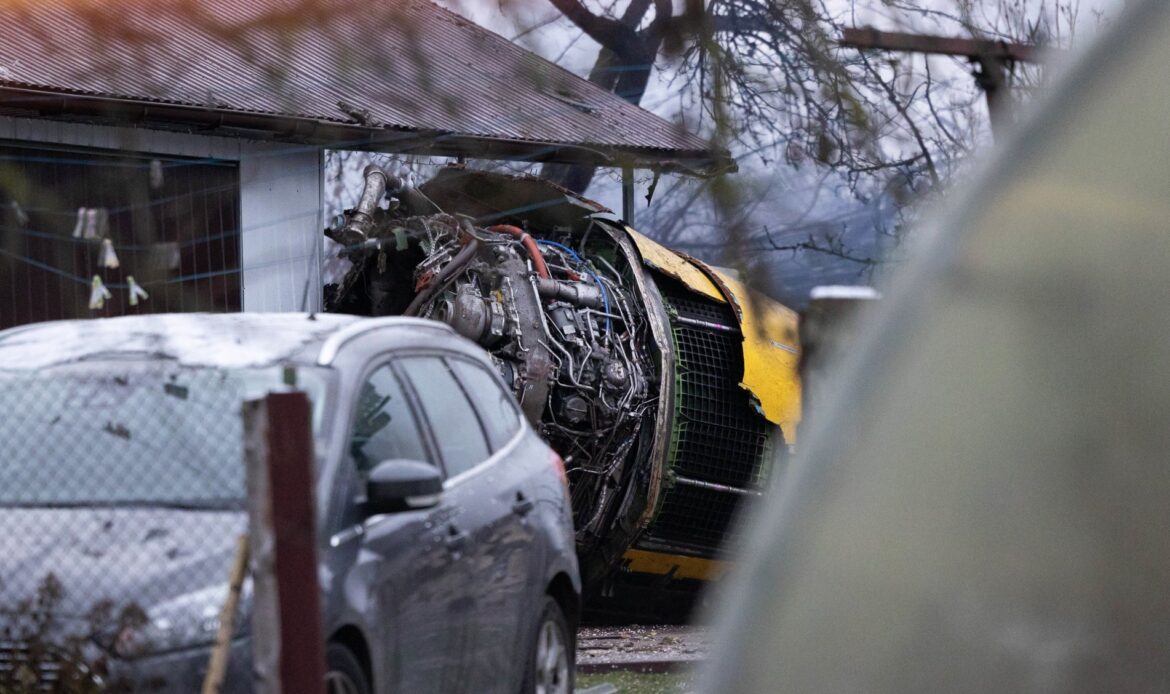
{"x":665,"y":385}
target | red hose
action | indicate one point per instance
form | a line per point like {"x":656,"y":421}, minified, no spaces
{"x":529,"y":244}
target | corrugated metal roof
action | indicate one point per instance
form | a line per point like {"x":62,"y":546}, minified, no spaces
{"x":407,"y":66}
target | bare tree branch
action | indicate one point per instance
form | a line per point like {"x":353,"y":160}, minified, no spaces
{"x":612,"y":34}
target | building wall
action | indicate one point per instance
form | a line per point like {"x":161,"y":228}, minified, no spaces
{"x":280,"y":209}
{"x":280,"y":200}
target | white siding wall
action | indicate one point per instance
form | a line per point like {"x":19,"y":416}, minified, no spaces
{"x":280,"y":201}
{"x":280,"y":210}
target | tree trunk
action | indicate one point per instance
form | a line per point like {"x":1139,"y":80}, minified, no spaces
{"x":625,"y":74}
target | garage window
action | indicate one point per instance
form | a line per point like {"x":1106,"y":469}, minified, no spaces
{"x":166,"y":225}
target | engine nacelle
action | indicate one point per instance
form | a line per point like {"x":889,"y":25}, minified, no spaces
{"x":667,"y":388}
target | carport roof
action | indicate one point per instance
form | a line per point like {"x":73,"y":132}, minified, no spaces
{"x":404,"y":76}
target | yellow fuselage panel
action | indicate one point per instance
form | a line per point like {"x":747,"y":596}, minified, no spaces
{"x":665,"y":260}
{"x":771,"y":354}
{"x":771,"y":347}
{"x":659,"y":564}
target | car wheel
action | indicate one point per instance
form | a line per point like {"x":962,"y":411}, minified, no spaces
{"x":343,"y":672}
{"x":550,"y":660}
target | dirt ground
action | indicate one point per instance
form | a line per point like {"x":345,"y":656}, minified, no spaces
{"x":656,"y":648}
{"x":635,"y":683}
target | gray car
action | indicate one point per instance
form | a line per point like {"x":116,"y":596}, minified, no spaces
{"x":122,"y":497}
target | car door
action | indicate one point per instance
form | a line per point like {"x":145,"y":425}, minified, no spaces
{"x":413,"y":577}
{"x":466,"y":529}
{"x":504,"y":570}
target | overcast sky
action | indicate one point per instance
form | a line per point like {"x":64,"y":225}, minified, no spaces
{"x":801,"y":198}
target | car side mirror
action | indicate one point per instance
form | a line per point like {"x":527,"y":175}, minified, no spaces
{"x":402,"y":485}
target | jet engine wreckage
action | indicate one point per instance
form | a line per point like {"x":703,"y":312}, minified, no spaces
{"x":666,"y":387}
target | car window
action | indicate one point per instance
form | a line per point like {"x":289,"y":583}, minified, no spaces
{"x":454,"y":423}
{"x":496,"y":409}
{"x":140,"y":432}
{"x":384,"y":426}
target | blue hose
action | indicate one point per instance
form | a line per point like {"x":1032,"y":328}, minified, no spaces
{"x":574,"y":256}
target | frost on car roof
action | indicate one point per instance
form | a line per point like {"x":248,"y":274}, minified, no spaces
{"x":231,"y":340}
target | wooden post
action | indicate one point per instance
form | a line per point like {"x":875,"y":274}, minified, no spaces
{"x":991,"y":56}
{"x":288,"y":641}
{"x":265,"y":613}
{"x":938,"y":45}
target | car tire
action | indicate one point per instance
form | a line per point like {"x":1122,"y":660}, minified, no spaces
{"x":551,"y":659}
{"x":343,"y":672}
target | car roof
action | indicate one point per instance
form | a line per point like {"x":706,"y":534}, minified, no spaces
{"x":225,"y":340}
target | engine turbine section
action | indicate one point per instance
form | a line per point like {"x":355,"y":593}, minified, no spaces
{"x":573,"y":339}
{"x":635,"y":372}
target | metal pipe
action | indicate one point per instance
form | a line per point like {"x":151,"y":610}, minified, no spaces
{"x":576,"y":293}
{"x":358,"y":228}
{"x":707,"y":324}
{"x":717,"y":487}
{"x":529,"y":244}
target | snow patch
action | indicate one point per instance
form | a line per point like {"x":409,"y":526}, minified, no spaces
{"x":228,"y":340}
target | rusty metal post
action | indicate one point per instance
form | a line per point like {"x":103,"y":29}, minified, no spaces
{"x":288,"y":644}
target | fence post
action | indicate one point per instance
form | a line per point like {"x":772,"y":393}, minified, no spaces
{"x":288,"y":646}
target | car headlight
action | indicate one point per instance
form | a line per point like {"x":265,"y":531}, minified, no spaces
{"x":187,"y":621}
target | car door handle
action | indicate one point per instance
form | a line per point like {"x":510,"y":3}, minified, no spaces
{"x":455,"y":539}
{"x":523,"y":505}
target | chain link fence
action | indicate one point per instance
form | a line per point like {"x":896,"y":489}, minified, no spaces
{"x":122,"y":501}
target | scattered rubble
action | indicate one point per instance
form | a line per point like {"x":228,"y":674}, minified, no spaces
{"x":640,"y":648}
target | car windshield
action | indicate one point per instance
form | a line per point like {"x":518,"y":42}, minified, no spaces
{"x":132,"y":433}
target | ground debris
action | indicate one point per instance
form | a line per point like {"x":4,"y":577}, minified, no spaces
{"x":658,"y":647}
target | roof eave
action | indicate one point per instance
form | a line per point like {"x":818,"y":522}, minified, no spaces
{"x":209,"y":120}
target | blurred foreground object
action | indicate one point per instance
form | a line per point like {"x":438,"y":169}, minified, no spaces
{"x":981,"y":505}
